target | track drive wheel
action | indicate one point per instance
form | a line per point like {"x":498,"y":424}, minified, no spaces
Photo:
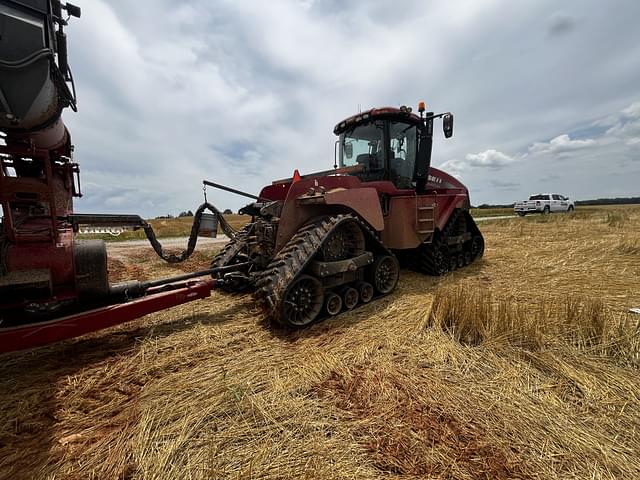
{"x":385,"y":273}
{"x":302,"y":302}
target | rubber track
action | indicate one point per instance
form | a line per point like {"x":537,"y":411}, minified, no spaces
{"x":292,"y":259}
{"x":427,"y":262}
{"x":231,"y":248}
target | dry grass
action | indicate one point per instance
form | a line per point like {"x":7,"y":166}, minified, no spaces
{"x":490,"y":212}
{"x":521,"y":366}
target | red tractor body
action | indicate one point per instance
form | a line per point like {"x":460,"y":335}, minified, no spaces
{"x":325,"y":241}
{"x":410,"y":218}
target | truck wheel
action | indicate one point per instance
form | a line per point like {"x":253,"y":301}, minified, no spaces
{"x":570,"y":209}
{"x":521,"y":214}
{"x":546,"y":210}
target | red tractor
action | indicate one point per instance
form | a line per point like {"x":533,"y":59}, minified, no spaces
{"x":324,"y":242}
{"x":317,"y":244}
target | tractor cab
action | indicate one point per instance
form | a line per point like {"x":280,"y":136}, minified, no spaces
{"x":390,"y":144}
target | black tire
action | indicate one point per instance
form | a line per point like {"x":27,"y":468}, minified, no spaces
{"x":333,"y":303}
{"x":570,"y":209}
{"x":522,"y":214}
{"x":365,"y":289}
{"x":302,"y":302}
{"x":546,"y":210}
{"x":350,"y":298}
{"x":384,"y":274}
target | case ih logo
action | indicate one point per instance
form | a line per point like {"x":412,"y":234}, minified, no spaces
{"x":433,"y":179}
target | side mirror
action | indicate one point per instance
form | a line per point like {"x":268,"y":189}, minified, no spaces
{"x":348,"y":150}
{"x":447,"y":125}
{"x":72,"y":10}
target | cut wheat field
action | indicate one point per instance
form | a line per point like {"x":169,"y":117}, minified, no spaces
{"x":523,"y":365}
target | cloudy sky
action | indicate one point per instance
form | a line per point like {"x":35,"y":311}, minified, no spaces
{"x":546,"y":94}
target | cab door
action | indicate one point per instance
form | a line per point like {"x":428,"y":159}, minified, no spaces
{"x":556,"y":203}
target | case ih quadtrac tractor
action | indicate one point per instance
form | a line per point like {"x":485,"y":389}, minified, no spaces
{"x":324,"y":242}
{"x":316,"y":245}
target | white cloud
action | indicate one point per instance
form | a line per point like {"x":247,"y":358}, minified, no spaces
{"x":489,"y":159}
{"x":560,"y":144}
{"x":626,"y":127}
{"x":632,"y":111}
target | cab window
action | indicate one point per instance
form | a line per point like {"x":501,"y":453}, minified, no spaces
{"x":402,"y":154}
{"x":364,"y":145}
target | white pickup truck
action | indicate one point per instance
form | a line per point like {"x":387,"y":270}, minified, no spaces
{"x":544,"y":203}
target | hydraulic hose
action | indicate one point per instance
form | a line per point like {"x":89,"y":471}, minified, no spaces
{"x":193,"y":237}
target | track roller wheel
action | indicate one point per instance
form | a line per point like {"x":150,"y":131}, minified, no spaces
{"x":365,"y":290}
{"x":333,"y":303}
{"x":467,"y":258}
{"x":385,"y":272}
{"x":460,"y":260}
{"x":477,"y":247}
{"x":453,"y":263}
{"x":435,"y":258}
{"x":302,"y":302}
{"x":349,"y":297}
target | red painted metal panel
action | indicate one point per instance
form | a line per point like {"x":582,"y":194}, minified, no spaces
{"x":42,"y":333}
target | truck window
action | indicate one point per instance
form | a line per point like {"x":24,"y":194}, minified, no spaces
{"x":539,"y":197}
{"x":557,"y":197}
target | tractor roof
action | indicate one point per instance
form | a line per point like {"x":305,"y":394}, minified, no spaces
{"x":375,"y":114}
